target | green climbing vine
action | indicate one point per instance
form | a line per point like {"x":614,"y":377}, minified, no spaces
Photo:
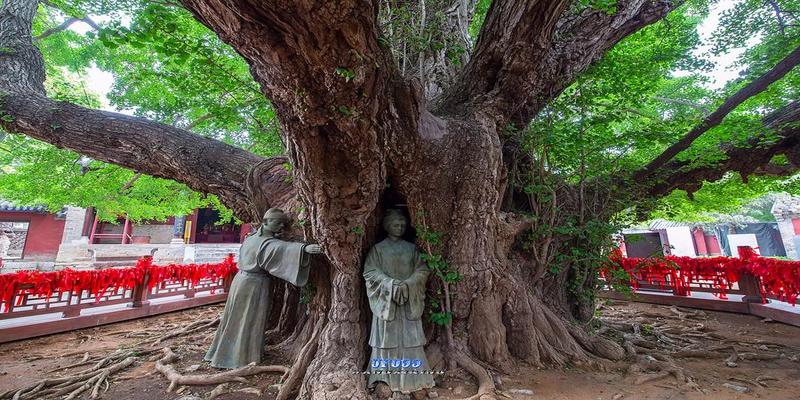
{"x":307,"y":293}
{"x":570,"y":233}
{"x":441,"y":312}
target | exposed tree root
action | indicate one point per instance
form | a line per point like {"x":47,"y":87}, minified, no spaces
{"x":684,"y":313}
{"x":656,"y":340}
{"x":235,"y":375}
{"x":221,"y":389}
{"x":191,"y":328}
{"x":94,"y":380}
{"x":650,"y":368}
{"x":85,"y":360}
{"x":291,"y":385}
{"x":536,"y":334}
{"x":486,"y":387}
{"x":73,"y":385}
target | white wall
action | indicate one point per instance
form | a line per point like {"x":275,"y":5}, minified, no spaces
{"x":788,"y":237}
{"x":681,"y":240}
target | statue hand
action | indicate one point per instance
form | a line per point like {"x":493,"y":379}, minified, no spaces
{"x":313,"y":249}
{"x":400,"y":293}
{"x":404,"y":292}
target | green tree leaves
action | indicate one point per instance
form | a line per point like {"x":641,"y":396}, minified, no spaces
{"x":166,"y":67}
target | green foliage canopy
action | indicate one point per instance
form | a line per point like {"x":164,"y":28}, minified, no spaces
{"x":646,"y":92}
{"x":654,"y":86}
{"x":166,"y":67}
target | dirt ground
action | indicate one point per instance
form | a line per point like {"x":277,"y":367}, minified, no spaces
{"x":768,"y":367}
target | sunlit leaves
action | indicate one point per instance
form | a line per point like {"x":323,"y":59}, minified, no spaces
{"x":615,"y":116}
{"x":38,"y":173}
{"x":632,"y":104}
{"x":165,"y":66}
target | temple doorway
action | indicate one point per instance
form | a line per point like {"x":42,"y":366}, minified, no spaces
{"x":208,"y":231}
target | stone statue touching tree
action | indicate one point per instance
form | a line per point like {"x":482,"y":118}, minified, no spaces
{"x":395,"y":275}
{"x":503,"y":139}
{"x":240,"y":337}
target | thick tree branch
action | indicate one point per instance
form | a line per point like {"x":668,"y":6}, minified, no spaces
{"x":205,"y":165}
{"x":514,"y":35}
{"x":21,"y":63}
{"x":338,"y":96}
{"x":320,"y":63}
{"x":715,"y":118}
{"x":778,"y":16}
{"x":516,"y":76}
{"x":754,"y":158}
{"x":64,"y":25}
{"x":444,"y":32}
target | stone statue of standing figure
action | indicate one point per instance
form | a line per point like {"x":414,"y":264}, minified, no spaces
{"x":240,"y":336}
{"x":395,"y":276}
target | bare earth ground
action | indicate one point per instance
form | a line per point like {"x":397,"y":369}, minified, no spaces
{"x":765,"y":362}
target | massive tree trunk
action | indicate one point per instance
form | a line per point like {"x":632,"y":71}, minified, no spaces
{"x":363,"y":137}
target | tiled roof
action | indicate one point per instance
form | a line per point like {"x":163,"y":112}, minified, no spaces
{"x":664,"y":224}
{"x":7,"y":206}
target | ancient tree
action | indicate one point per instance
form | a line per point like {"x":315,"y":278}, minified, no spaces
{"x":367,"y":122}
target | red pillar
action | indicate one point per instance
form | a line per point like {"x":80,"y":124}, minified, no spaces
{"x":94,"y":229}
{"x":125,"y":230}
{"x":87,"y":221}
{"x":699,"y":238}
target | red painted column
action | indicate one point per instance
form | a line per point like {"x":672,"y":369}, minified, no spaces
{"x":712,"y":244}
{"x":699,"y":238}
{"x":244,"y":230}
{"x":796,"y":225}
{"x":125,"y":230}
{"x":94,"y":229}
{"x":87,"y":221}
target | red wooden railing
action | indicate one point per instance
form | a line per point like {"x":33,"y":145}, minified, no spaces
{"x":29,"y":294}
{"x":672,"y":280}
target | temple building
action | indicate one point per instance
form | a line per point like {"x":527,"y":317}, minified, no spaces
{"x":787,"y":213}
{"x":662,"y":237}
{"x":75,"y":237}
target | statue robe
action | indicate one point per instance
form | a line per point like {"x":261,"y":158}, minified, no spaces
{"x":396,"y":332}
{"x":240,"y":336}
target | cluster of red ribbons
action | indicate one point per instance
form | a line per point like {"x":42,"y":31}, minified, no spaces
{"x":778,"y":278}
{"x":192,"y":273}
{"x":99,"y":282}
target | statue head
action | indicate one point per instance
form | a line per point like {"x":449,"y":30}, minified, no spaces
{"x":394,"y":223}
{"x":274,"y":220}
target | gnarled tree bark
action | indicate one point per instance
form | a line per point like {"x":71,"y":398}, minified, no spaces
{"x":353,"y":125}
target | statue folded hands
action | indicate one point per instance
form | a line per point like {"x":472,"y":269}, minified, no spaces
{"x":395,"y":276}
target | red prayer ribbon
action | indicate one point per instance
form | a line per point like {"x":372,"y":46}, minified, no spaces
{"x":779,"y":278}
{"x":100,"y":282}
